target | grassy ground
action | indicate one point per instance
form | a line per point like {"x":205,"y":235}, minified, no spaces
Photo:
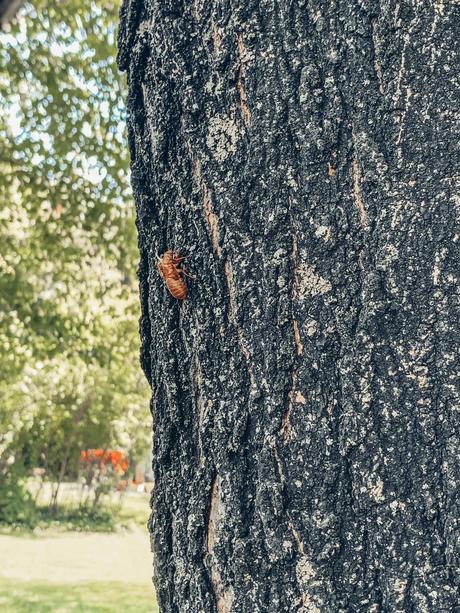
{"x":56,"y":569}
{"x":22,"y":596}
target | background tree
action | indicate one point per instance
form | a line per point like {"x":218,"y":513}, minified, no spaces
{"x":305,"y":156}
{"x":69,"y":307}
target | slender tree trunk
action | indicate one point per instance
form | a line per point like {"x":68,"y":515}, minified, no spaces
{"x":304,"y":155}
{"x":56,"y":485}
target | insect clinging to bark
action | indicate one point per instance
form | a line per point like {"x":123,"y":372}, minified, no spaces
{"x":171,"y":273}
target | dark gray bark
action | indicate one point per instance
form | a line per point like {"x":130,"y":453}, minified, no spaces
{"x":304,"y":154}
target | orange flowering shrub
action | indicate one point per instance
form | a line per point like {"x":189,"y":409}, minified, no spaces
{"x":105,"y":458}
{"x":102,"y":468}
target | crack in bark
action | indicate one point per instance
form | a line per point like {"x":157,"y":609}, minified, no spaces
{"x":305,"y":572}
{"x":211,"y":217}
{"x":297,"y":338}
{"x":233,"y":319}
{"x":377,"y":63}
{"x":197,"y":382}
{"x":224,"y":596}
{"x":407,"y":104}
{"x":216,"y":34}
{"x":357,"y":192}
{"x":294,"y":253}
{"x":407,"y":37}
{"x":286,"y":426}
{"x":295,"y":397}
{"x":214,"y":502}
{"x":245,"y":111}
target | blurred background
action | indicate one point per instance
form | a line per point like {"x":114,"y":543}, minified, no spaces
{"x":75,"y":426}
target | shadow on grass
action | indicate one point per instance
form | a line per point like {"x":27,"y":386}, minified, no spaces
{"x":23,"y":596}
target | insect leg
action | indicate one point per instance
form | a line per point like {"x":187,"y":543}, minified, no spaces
{"x":182,"y":272}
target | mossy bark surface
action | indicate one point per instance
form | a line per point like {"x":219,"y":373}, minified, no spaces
{"x":304,"y":155}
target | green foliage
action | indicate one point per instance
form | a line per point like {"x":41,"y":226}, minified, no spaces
{"x":68,"y":295}
{"x":118,"y":511}
{"x":16,"y":504}
{"x":73,"y":519}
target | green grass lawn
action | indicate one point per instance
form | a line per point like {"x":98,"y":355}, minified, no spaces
{"x":23,"y":596}
{"x":79,"y":559}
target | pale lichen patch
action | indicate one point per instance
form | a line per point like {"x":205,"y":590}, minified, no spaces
{"x":304,"y":570}
{"x":323,"y":232}
{"x":388,"y":256}
{"x":144,"y":27}
{"x":300,"y":398}
{"x":312,"y":328}
{"x":309,"y":283}
{"x":414,"y":368}
{"x":397,"y":505}
{"x":196,"y":10}
{"x":376,"y":491}
{"x":439,"y":257}
{"x":436,"y":273}
{"x":305,"y":574}
{"x":222,"y":137}
{"x":278,"y":256}
{"x":439,"y":9}
{"x":399,"y":587}
{"x":281,"y":282}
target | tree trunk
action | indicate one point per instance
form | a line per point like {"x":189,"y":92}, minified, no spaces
{"x":56,"y":485}
{"x":304,"y":155}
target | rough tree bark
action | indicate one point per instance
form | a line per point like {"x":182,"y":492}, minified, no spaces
{"x":304,"y":155}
